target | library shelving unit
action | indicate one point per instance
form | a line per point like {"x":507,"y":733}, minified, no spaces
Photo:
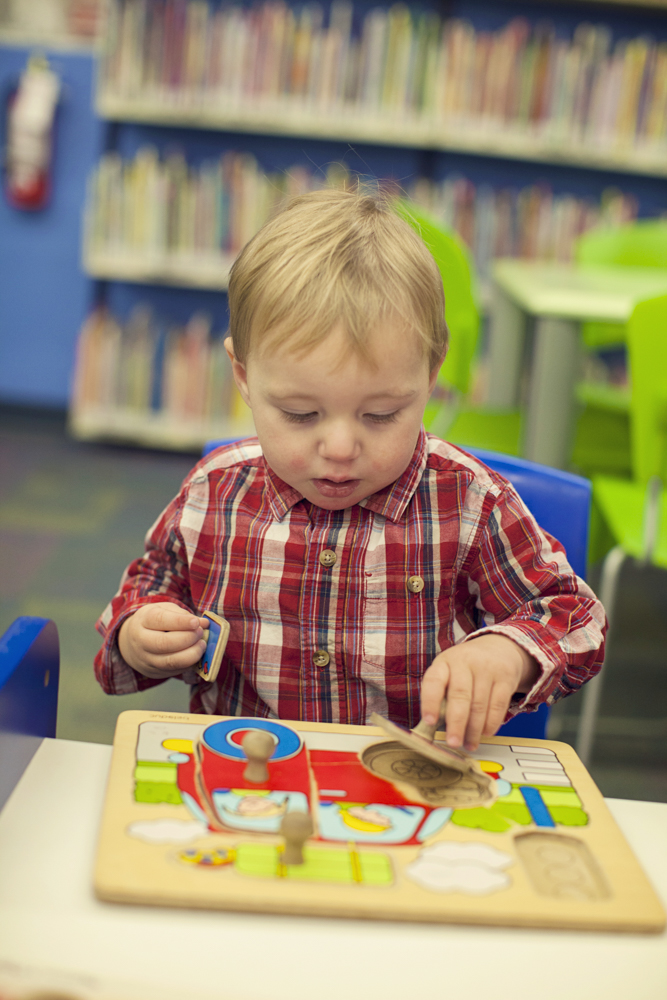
{"x":132,"y":94}
{"x":489,"y":139}
{"x":181,"y":270}
{"x":151,"y":429}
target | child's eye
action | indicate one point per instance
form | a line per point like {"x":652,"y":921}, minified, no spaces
{"x":382,"y":418}
{"x":298,"y":418}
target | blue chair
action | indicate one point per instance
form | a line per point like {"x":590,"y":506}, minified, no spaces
{"x":29,"y":674}
{"x":560,"y":502}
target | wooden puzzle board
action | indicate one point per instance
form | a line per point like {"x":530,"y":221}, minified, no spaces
{"x":181,"y":827}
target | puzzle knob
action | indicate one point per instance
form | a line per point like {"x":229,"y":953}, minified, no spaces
{"x":429,"y":731}
{"x":296,"y":828}
{"x":258,"y":746}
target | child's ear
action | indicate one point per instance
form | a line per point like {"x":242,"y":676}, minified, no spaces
{"x":238,"y":371}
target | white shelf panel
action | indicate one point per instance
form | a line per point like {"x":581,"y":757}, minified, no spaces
{"x":189,"y":271}
{"x":13,"y":37}
{"x":155,"y":430}
{"x":281,"y":118}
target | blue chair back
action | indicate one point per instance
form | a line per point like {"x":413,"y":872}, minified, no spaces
{"x":560,"y":502}
{"x":29,"y":675}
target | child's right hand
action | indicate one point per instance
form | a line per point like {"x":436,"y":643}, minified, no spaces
{"x":161,"y":640}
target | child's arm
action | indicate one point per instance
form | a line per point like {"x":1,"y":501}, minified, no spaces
{"x":140,"y":650}
{"x":162,"y":640}
{"x":479,"y":678}
{"x":541,"y":629}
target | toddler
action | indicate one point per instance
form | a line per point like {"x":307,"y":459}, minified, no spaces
{"x":362,"y":564}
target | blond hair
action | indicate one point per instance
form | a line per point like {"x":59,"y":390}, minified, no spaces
{"x":334,"y":257}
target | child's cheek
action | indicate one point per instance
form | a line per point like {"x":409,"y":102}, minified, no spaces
{"x":297,"y":462}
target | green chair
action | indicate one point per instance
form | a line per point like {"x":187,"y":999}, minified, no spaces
{"x":602,"y":436}
{"x":448,"y":413}
{"x":640,"y":244}
{"x":461,"y":312}
{"x":632,"y":510}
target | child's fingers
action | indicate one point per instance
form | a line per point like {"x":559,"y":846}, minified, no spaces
{"x":501,"y":696}
{"x":459,"y":699}
{"x":167,"y":643}
{"x":434,"y":684}
{"x":479,"y":710}
{"x":169,"y":618}
{"x":159,"y":665}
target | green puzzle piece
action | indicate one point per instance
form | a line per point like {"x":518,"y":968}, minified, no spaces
{"x":320,"y":865}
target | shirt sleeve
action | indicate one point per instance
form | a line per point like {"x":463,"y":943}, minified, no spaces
{"x":524,"y":588}
{"x":161,"y":574}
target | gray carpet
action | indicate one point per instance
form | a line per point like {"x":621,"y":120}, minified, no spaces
{"x":73,"y":515}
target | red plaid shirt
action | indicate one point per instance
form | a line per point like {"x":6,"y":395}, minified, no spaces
{"x":239,"y":541}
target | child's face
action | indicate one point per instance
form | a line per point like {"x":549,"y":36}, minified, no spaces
{"x":332,"y":426}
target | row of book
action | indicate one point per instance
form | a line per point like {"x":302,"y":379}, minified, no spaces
{"x":531,"y":222}
{"x":143,"y":368}
{"x":395,"y":62}
{"x":164,"y":208}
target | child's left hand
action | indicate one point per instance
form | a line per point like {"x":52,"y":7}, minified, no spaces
{"x":478,"y":678}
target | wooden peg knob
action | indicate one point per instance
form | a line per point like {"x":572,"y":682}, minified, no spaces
{"x":258,"y":746}
{"x":429,"y":731}
{"x":296,"y":828}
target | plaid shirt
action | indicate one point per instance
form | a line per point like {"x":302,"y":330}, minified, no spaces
{"x":239,"y":541}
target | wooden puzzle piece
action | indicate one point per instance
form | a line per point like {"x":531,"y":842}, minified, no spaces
{"x":216,"y":642}
{"x":258,"y":745}
{"x":428,"y":778}
{"x":296,"y":828}
{"x":320,"y":864}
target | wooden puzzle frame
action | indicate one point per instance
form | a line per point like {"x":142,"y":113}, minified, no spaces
{"x":182,"y":828}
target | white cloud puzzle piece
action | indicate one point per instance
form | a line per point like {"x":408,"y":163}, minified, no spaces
{"x":475,"y":869}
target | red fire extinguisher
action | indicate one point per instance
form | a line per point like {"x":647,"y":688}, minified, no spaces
{"x":30,"y":117}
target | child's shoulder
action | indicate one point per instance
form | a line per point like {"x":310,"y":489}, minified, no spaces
{"x":232,"y":455}
{"x":445,"y":459}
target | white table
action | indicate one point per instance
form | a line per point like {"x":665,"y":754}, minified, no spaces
{"x":559,"y":297}
{"x":50,"y":920}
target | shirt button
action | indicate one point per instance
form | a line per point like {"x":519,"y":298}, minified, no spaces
{"x":321,"y":658}
{"x":328,"y":557}
{"x":415,"y":584}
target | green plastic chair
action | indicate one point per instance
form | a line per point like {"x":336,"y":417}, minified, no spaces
{"x":447,"y":413}
{"x":602,"y":435}
{"x":633,"y":510}
{"x":461,"y":312}
{"x":640,"y":244}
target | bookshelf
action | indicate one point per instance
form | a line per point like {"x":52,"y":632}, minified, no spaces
{"x":150,"y":430}
{"x":137,"y":382}
{"x":487,"y":139}
{"x":386,"y":78}
{"x":144,"y":268}
{"x":57,"y":25}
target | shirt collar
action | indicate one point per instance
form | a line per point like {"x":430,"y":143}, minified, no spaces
{"x":390,"y":502}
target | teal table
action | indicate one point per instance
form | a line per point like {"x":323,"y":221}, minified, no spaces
{"x":536,"y":311}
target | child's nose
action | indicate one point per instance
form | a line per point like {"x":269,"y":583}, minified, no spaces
{"x":339,"y":444}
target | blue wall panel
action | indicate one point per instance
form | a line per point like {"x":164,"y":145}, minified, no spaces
{"x":44,"y":294}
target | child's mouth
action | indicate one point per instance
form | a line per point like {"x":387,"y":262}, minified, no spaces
{"x":330,"y":488}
